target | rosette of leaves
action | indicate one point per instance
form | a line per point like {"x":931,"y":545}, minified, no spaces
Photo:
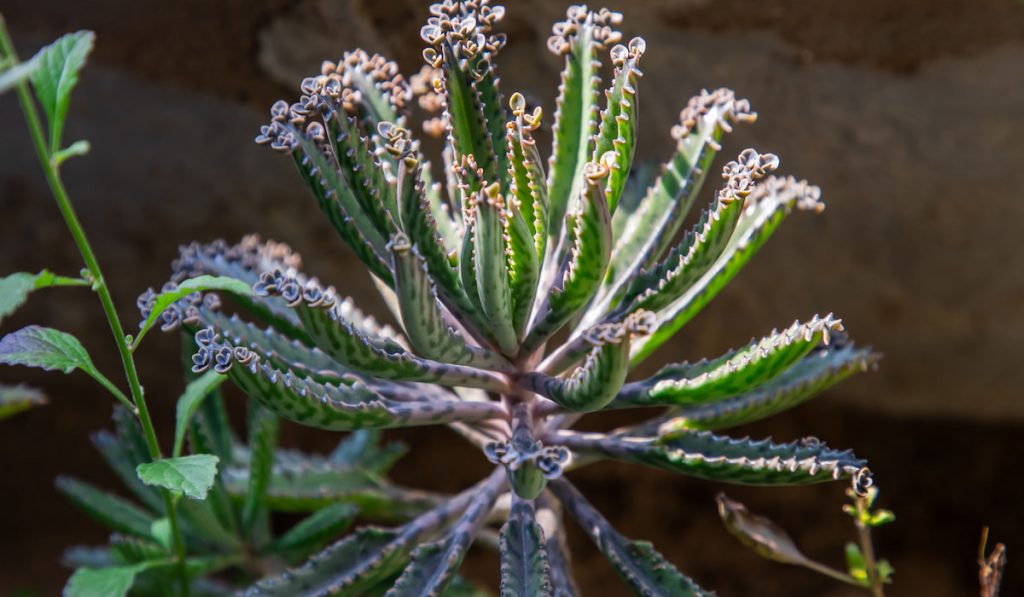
{"x":228,"y":536}
{"x":523,"y":292}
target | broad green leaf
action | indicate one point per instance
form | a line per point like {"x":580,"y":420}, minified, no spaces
{"x":263,"y":435}
{"x":13,"y":76}
{"x":708,"y":456}
{"x":60,"y":64}
{"x":201,"y":283}
{"x":114,"y":581}
{"x":315,"y":530}
{"x":524,"y":561}
{"x":15,"y":288}
{"x":737,"y":371}
{"x":855,"y":563}
{"x":191,"y":476}
{"x":106,"y":508}
{"x":189,"y":402}
{"x":17,"y":399}
{"x":160,"y":530}
{"x":768,"y":205}
{"x":52,"y":350}
{"x":638,"y":564}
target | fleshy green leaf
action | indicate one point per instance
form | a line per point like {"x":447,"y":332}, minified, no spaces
{"x":198,"y":284}
{"x":618,"y":128}
{"x":735,"y":372}
{"x":17,"y":399}
{"x":590,"y":245}
{"x":429,"y":331}
{"x":303,"y":483}
{"x":106,"y":508}
{"x":191,"y":476}
{"x":802,"y":381}
{"x":359,"y":561}
{"x":524,"y":561}
{"x":114,"y":581}
{"x":705,"y":455}
{"x":338,"y":201}
{"x":433,"y":565}
{"x":768,"y":205}
{"x":52,"y":350}
{"x":490,"y":253}
{"x":650,"y":226}
{"x":324,"y":318}
{"x":60,"y":64}
{"x":597,"y":381}
{"x":315,"y":530}
{"x":263,"y":432}
{"x":578,"y":38}
{"x":638,"y":564}
{"x":189,"y":402}
{"x":339,"y":407}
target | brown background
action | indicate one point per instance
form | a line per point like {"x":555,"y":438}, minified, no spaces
{"x":908,"y":114}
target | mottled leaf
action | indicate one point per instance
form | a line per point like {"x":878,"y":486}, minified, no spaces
{"x":314,"y":531}
{"x":735,"y":372}
{"x":524,"y":561}
{"x":705,"y":455}
{"x":768,"y":205}
{"x":638,"y":564}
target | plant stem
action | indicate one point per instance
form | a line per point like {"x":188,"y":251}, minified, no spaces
{"x":99,"y":286}
{"x":866,"y":548}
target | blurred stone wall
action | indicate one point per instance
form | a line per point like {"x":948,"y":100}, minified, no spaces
{"x":907,"y":114}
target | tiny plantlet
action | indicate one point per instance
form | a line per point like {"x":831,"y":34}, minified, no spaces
{"x":523,"y":290}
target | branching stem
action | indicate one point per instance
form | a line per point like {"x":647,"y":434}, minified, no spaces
{"x":99,"y":286}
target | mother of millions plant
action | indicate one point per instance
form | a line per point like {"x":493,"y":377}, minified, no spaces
{"x":524,"y":293}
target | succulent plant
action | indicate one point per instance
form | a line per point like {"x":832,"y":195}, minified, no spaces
{"x":228,"y":536}
{"x":524,"y":292}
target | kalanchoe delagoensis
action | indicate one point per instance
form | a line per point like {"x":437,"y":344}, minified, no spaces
{"x":525,"y":292}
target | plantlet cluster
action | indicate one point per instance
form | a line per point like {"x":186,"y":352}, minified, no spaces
{"x":524,"y":291}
